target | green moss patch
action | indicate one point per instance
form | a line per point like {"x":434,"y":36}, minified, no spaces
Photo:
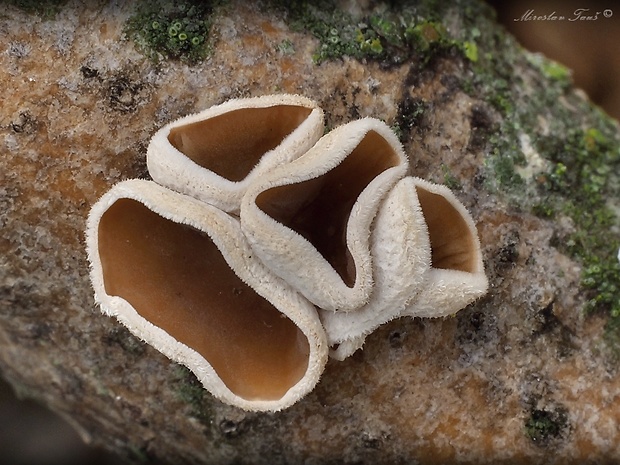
{"x":177,"y":30}
{"x":392,"y":35}
{"x":579,"y":150}
{"x":582,"y":183}
{"x":542,"y":426}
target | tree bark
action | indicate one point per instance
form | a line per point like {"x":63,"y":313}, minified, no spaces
{"x":523,"y":375}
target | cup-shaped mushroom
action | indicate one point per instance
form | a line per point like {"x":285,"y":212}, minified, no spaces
{"x":310,"y":221}
{"x":182,"y":277}
{"x":456,"y":277}
{"x":216,"y":154}
{"x":426,"y":262}
{"x":401,"y":256}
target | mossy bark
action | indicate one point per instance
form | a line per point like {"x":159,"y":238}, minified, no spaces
{"x":526,"y":374}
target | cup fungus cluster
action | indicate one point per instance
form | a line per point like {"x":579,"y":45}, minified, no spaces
{"x":262,"y":246}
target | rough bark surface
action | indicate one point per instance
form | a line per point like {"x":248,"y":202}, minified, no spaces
{"x":523,"y":375}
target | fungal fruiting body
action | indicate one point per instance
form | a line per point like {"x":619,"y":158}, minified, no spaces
{"x":260,"y":244}
{"x":456,"y":276}
{"x":400,"y":248}
{"x":181,"y":276}
{"x":310,"y":220}
{"x":215,"y":155}
{"x":427,"y":262}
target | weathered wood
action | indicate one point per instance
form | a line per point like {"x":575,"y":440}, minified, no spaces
{"x":523,"y":375}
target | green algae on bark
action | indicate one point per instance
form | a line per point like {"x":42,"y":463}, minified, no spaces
{"x":556,"y":154}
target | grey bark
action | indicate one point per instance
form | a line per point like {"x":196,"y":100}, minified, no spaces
{"x":523,"y":375}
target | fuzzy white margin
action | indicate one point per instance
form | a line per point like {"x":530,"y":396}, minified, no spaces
{"x":225,"y":232}
{"x":294,"y":258}
{"x":406,"y":284}
{"x":401,"y":253}
{"x":171,"y":168}
{"x":446,"y":291}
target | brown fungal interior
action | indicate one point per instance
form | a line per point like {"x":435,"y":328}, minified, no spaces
{"x":176,"y":278}
{"x":231,"y":144}
{"x":319,"y":208}
{"x":452,"y":242}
